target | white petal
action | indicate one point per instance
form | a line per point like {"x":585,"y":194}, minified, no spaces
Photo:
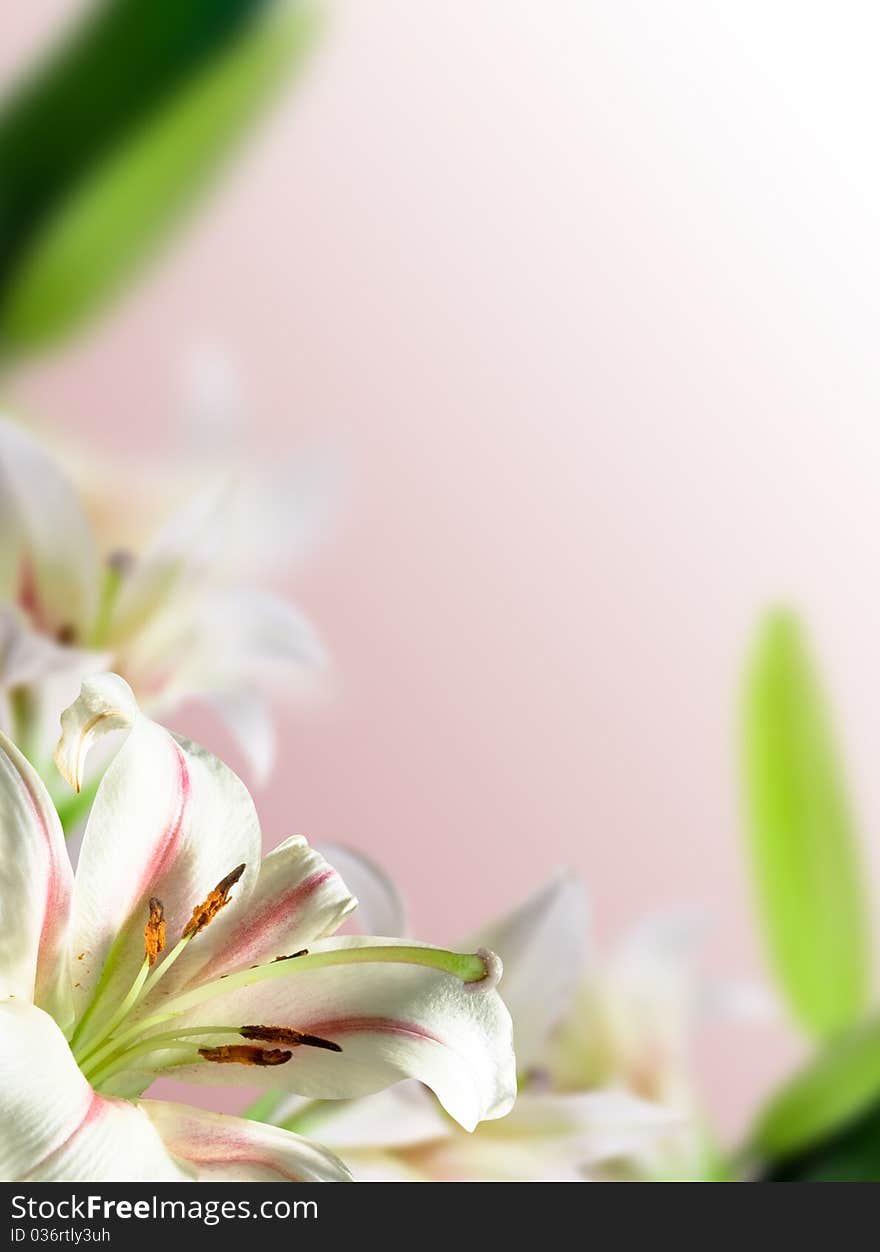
{"x":374,"y":1165}
{"x":48,"y":556}
{"x":106,"y":703}
{"x":255,"y":634}
{"x":231,"y":1149}
{"x":297,"y":898}
{"x":548,"y":1138}
{"x":542,"y":944}
{"x":380,"y":906}
{"x":51,"y":674}
{"x":400,"y":1117}
{"x":588,"y":1126}
{"x":664,"y":944}
{"x":225,"y":640}
{"x":35,"y":889}
{"x":186,"y":568}
{"x":53,"y":1127}
{"x":220,"y":644}
{"x":248,"y":719}
{"x":178,"y":562}
{"x":733,"y":1001}
{"x":25,"y":655}
{"x":393,"y":1021}
{"x":169,"y":820}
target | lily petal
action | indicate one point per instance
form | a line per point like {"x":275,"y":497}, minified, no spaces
{"x":48,"y":557}
{"x":25,"y":655}
{"x":52,"y":673}
{"x":231,"y":1149}
{"x":402,"y":1116}
{"x":247,"y":633}
{"x":549,"y":1138}
{"x":222,"y":641}
{"x":542,"y":944}
{"x":246,"y":715}
{"x":380,"y":906}
{"x":36,"y":883}
{"x":169,"y":820}
{"x":665,"y":945}
{"x":392,"y":1021}
{"x":177,"y":563}
{"x":54,"y":1127}
{"x":105,"y":703}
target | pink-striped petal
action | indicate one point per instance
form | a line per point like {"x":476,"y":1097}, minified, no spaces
{"x":230,"y":1149}
{"x":297,"y":898}
{"x":392,"y":1021}
{"x":169,"y":820}
{"x":35,"y":889}
{"x":54,"y":1127}
{"x":48,"y":558}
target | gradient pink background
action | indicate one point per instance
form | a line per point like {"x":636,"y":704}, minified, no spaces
{"x":587,"y":293}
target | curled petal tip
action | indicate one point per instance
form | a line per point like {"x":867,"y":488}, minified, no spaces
{"x":106,"y":702}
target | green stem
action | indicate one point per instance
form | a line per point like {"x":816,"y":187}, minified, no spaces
{"x":109,"y":591}
{"x":109,"y":969}
{"x":86,"y":1047}
{"x":23,"y":721}
{"x":161,"y":1042}
{"x":161,"y":970}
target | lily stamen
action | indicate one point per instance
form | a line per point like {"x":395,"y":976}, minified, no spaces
{"x":290,"y":957}
{"x":244,"y":1054}
{"x":154,"y":931}
{"x":287,"y":1035}
{"x":101,"y":1068}
{"x":154,"y":945}
{"x":215,"y":901}
{"x":477,"y":969}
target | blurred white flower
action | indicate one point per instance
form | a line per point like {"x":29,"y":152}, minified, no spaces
{"x":604,"y":1085}
{"x":251,"y":985}
{"x":177,"y":615}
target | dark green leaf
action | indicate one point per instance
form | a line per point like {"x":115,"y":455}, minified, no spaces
{"x":99,"y":233}
{"x":124,"y":61}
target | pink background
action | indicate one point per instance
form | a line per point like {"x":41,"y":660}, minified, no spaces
{"x":587,"y":293}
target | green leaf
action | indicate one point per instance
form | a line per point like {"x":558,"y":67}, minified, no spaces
{"x":803,"y":845}
{"x":825,"y":1099}
{"x":124,"y":205}
{"x":116,"y":67}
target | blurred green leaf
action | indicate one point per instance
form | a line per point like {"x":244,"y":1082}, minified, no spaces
{"x":110,"y":72}
{"x":824,"y":1098}
{"x":804,"y":849}
{"x":112,"y":141}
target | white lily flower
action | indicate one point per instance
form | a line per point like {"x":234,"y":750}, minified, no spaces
{"x":174,"y":950}
{"x":173,"y":617}
{"x":554,"y":1133}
